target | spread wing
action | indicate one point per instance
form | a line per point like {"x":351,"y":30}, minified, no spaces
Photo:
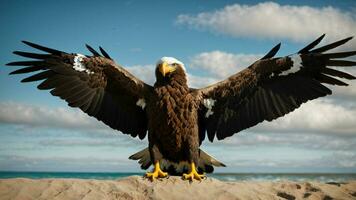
{"x":95,"y":84}
{"x":270,"y":88}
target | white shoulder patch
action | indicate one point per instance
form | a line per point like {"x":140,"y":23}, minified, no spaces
{"x":209,"y":103}
{"x":297,"y":64}
{"x":141,"y":103}
{"x":79,"y":66}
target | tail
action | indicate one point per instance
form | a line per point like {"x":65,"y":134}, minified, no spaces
{"x":206,"y":162}
{"x":143,"y":158}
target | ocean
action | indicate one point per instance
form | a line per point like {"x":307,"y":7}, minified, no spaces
{"x":300,"y":177}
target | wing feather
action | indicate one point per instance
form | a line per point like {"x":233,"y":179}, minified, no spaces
{"x":271,"y":88}
{"x":31,"y":55}
{"x":26,"y":70}
{"x":96,"y":85}
{"x":331,"y":46}
{"x":272,"y":52}
{"x":312,"y":45}
{"x":39,"y":76}
{"x":95,"y":53}
{"x":337,"y":73}
{"x":106,"y":55}
{"x":42,"y":48}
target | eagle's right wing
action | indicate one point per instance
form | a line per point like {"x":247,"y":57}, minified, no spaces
{"x":95,"y":84}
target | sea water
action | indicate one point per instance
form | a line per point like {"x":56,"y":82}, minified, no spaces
{"x":337,"y":177}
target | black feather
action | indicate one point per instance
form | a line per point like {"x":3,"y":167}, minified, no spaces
{"x":311,"y":45}
{"x":106,"y":55}
{"x":100,"y":101}
{"x":25,"y":63}
{"x":31,"y":55}
{"x":27,"y":70}
{"x":337,"y":73}
{"x":66,"y":89}
{"x":53,"y":82}
{"x":272,"y":52}
{"x":64,"y":69}
{"x":82,"y":98}
{"x":42,"y":48}
{"x":331,"y":46}
{"x":39,"y":76}
{"x":78,"y":95}
{"x":274,"y":103}
{"x":85,"y":107}
{"x":321,"y":88}
{"x":329,"y":80}
{"x":340,"y":54}
{"x":93,"y":103}
{"x":343,"y":63}
{"x":95,"y":53}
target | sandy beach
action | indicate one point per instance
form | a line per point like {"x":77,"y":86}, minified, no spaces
{"x":136,"y":187}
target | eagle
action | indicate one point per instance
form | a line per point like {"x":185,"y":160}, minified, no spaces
{"x":175,"y":117}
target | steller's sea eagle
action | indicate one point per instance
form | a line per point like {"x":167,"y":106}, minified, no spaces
{"x":177,"y":118}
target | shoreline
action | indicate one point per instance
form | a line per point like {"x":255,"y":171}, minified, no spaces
{"x":317,"y":177}
{"x":137,"y":187}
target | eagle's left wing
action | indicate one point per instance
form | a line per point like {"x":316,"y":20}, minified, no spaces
{"x":269,"y":89}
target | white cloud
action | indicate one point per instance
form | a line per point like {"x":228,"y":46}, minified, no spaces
{"x":309,"y":141}
{"x":117,"y":140}
{"x":200,"y":81}
{"x":42,"y":116}
{"x":65,"y":163}
{"x":339,"y":159}
{"x":220,"y":64}
{"x":319,"y":116}
{"x":272,"y":20}
{"x":144,"y":72}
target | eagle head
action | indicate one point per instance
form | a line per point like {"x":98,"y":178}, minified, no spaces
{"x":167,"y":67}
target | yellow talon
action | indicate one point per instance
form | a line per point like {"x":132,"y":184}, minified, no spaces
{"x":157,"y":173}
{"x":193,"y":174}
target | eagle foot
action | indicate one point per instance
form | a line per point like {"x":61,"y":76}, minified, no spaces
{"x":193,"y":174}
{"x":157,"y":173}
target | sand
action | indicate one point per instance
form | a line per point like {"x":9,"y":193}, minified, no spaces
{"x":136,"y":187}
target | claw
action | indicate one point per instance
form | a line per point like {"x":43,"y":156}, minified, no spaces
{"x":157,"y":173}
{"x":193,"y":174}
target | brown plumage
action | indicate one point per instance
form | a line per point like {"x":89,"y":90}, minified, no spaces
{"x":178,"y":118}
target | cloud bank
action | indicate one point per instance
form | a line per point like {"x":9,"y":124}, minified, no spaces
{"x":42,"y":116}
{"x":221,"y":64}
{"x":319,"y":116}
{"x":274,"y":21}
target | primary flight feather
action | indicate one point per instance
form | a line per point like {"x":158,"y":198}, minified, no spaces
{"x":177,"y":118}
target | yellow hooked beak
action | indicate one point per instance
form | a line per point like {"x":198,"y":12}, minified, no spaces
{"x":165,"y":68}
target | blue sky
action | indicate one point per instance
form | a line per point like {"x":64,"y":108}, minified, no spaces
{"x":214,"y":39}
